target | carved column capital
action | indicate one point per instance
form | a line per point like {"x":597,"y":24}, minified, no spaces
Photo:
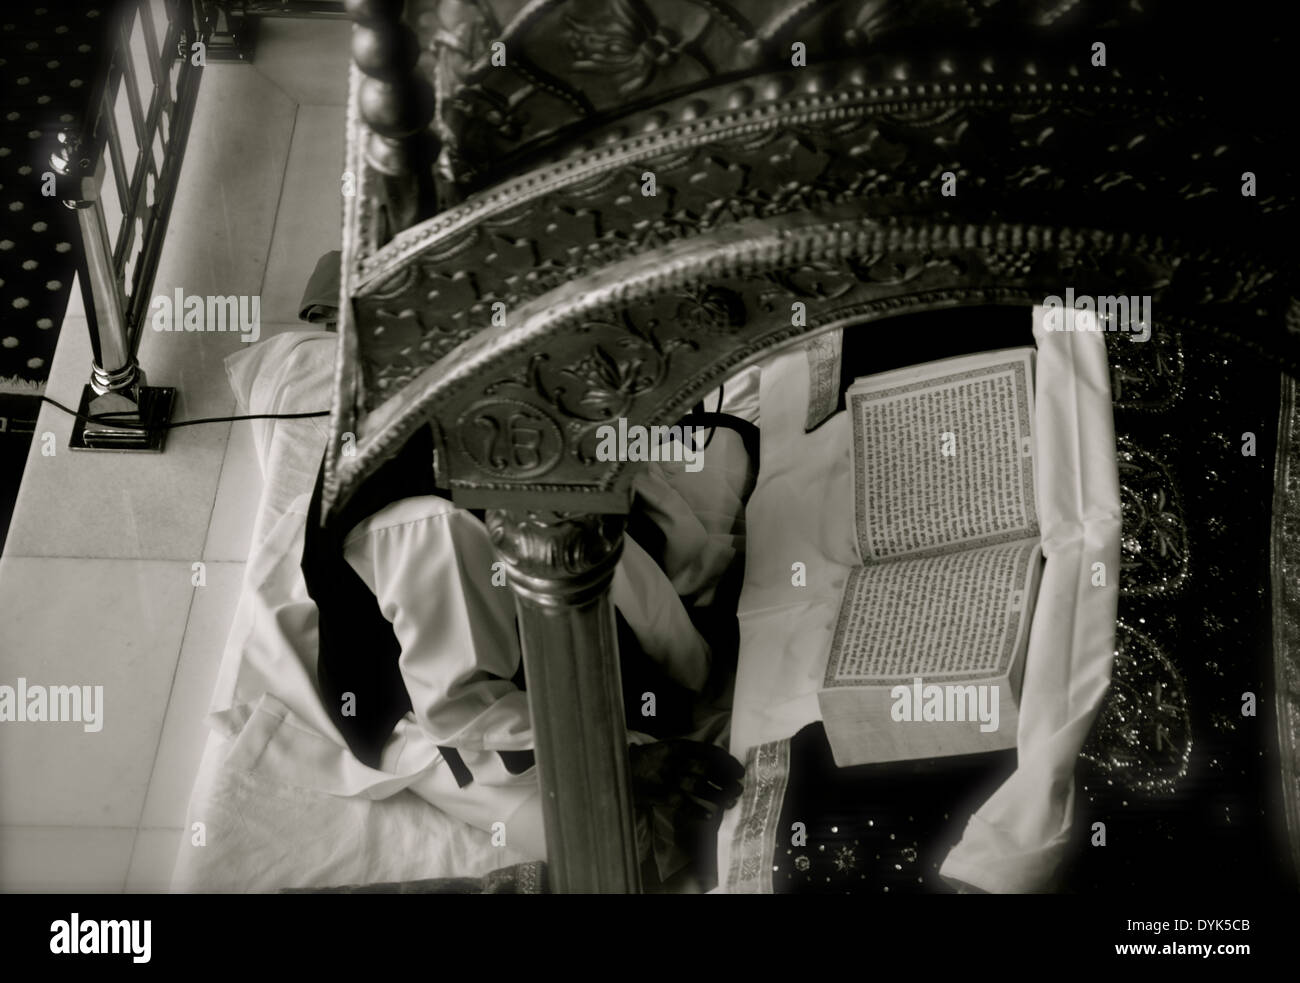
{"x":557,"y":558}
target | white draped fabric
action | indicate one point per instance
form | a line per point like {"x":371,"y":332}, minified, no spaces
{"x":279,"y":784}
{"x":803,"y":504}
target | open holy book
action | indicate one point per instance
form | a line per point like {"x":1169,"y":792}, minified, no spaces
{"x":929,"y":648}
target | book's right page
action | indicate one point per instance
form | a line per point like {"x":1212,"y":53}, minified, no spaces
{"x":943,"y":455}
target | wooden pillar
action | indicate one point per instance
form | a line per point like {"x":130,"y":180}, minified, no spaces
{"x":560,"y":567}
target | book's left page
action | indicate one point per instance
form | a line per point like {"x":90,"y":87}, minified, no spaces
{"x":943,"y":455}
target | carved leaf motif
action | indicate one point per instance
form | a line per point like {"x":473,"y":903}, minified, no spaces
{"x":627,"y":42}
{"x":812,"y":281}
{"x":608,"y":383}
{"x":611,"y":372}
{"x":545,"y":544}
{"x":712,"y":310}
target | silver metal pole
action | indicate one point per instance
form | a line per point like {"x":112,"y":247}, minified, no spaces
{"x":117,"y":383}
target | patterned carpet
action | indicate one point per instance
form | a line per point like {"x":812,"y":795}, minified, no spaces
{"x":49,"y":58}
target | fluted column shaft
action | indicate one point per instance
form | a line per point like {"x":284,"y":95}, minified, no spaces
{"x":560,"y":566}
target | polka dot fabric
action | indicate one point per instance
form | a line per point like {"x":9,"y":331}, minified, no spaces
{"x":49,"y":57}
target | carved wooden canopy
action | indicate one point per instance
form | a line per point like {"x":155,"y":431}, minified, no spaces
{"x":549,"y":293}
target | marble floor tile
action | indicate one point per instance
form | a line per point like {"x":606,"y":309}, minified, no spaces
{"x":115,"y":624}
{"x":73,"y":860}
{"x":184,"y":730}
{"x":152,"y":860}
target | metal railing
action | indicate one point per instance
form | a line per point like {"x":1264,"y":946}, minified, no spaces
{"x":119,"y":172}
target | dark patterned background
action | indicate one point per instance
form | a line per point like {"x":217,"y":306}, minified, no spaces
{"x":49,"y":57}
{"x":1188,"y":786}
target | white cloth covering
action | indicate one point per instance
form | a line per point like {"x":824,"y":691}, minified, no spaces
{"x":1017,"y":838}
{"x":430,"y":566}
{"x":802,"y":504}
{"x":282,"y":800}
{"x":739,"y":396}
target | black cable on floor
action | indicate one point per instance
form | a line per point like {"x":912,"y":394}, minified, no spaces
{"x":109,"y":418}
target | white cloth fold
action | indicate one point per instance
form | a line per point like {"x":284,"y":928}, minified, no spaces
{"x":279,"y":793}
{"x":1017,"y":838}
{"x":430,"y":566}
